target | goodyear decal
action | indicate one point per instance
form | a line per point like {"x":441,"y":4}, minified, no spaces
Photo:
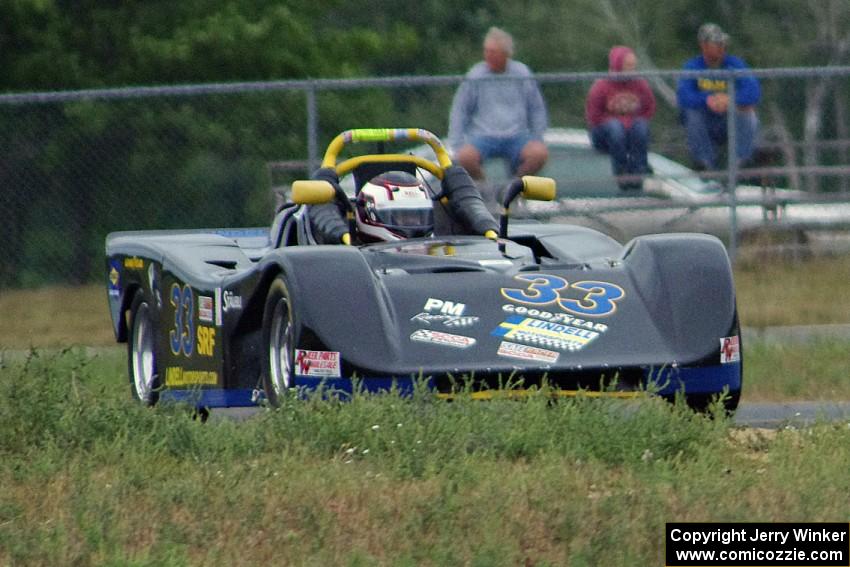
{"x":594,"y":298}
{"x":564,"y":318}
{"x":177,"y":376}
{"x":544,"y":334}
{"x":134,"y":263}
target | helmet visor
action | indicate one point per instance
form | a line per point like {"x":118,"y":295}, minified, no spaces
{"x":408,"y":221}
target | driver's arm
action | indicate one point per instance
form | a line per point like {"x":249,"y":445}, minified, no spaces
{"x":328,"y":220}
{"x":466,"y":206}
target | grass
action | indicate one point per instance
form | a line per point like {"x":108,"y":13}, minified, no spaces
{"x":814,"y":371}
{"x":809,"y":292}
{"x":55,"y":317}
{"x":90,"y":478}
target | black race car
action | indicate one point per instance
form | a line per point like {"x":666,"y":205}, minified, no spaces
{"x":233,"y":317}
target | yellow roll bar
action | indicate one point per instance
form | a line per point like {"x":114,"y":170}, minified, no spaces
{"x":387,"y":135}
{"x":349,"y":164}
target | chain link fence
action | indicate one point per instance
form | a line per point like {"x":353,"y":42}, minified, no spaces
{"x":77,"y":165}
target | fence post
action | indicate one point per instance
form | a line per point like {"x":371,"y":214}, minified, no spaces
{"x":312,"y":129}
{"x":732,"y":159}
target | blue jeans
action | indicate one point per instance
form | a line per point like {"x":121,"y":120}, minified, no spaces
{"x":706,"y":133}
{"x":508,"y":148}
{"x":626,"y":146}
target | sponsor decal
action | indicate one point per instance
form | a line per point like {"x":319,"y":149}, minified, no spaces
{"x":444,"y":307}
{"x":206,"y":340}
{"x":232,"y":301}
{"x":153,"y":283}
{"x":440,"y":338}
{"x":114,"y":278}
{"x":544,"y":333}
{"x":317,"y":363}
{"x":177,"y":376}
{"x":205,"y":309}
{"x":495,"y":262}
{"x":555,"y":317}
{"x":525,"y":352}
{"x":218,"y":316}
{"x":596,"y":298}
{"x":224,"y":302}
{"x":730,"y":350}
{"x":447,"y":313}
{"x":447,"y":320}
{"x":134,"y":263}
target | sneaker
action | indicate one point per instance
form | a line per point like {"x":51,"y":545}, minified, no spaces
{"x":631,"y":186}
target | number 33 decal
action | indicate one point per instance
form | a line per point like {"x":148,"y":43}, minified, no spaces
{"x":181,"y":336}
{"x":600,"y":298}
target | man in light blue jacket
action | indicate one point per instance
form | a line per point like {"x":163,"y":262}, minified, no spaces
{"x":499,"y":111}
{"x":704,"y":102}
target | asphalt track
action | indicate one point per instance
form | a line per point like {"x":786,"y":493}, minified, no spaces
{"x":791,"y":414}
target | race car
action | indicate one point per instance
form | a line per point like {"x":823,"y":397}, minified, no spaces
{"x":227,"y":317}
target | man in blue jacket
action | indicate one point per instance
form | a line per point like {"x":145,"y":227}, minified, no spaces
{"x":704,"y":102}
{"x":498,"y":111}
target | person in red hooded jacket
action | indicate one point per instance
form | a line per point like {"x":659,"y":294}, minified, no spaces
{"x":618,"y":111}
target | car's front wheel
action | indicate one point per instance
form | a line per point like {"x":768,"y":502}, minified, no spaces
{"x":279,"y":334}
{"x":141,"y":352}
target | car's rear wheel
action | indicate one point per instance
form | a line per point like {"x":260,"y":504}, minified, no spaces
{"x":141,"y":352}
{"x":279,"y":333}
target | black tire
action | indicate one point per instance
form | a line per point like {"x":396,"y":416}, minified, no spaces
{"x":280,"y":332}
{"x":141,"y":352}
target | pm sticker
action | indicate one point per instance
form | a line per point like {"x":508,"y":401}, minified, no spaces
{"x":318,"y":363}
{"x":440,"y":338}
{"x":730,"y":349}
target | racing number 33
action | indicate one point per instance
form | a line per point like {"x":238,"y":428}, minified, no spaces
{"x":182,"y":299}
{"x":600,"y":298}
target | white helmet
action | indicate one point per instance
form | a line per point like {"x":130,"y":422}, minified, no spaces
{"x":394,"y":206}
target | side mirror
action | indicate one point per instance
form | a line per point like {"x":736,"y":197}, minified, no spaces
{"x":530,"y":187}
{"x":312,"y":192}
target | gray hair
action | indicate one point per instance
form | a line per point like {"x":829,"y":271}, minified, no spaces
{"x":501,"y":38}
{"x":712,"y":33}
